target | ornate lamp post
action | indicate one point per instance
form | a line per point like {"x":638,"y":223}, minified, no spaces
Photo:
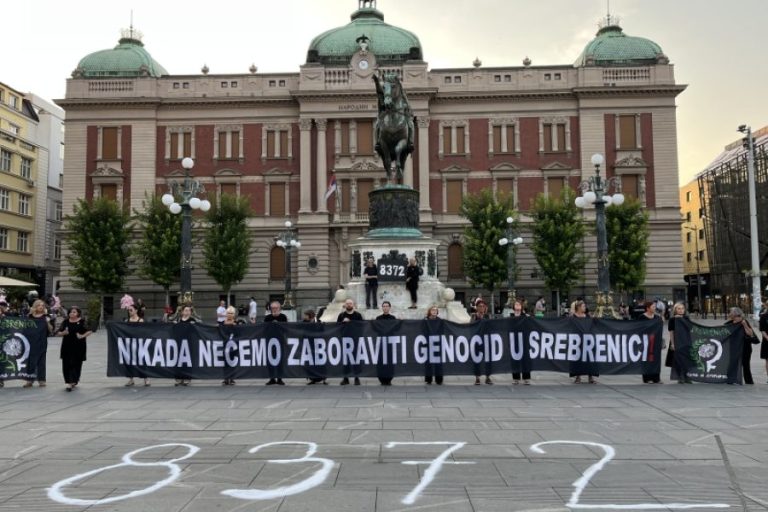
{"x":511,"y":240}
{"x":594,"y":191}
{"x":287,"y":240}
{"x":187,"y":192}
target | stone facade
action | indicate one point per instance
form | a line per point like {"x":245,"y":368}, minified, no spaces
{"x":279,"y":138}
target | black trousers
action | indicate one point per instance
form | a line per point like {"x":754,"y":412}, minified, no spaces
{"x":71,"y":369}
{"x":371,"y":290}
{"x":526,"y":375}
{"x":413,"y":294}
{"x":746,"y":358}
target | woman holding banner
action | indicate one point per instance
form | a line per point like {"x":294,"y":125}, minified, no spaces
{"x":481,"y":313}
{"x":230,"y":320}
{"x":133,"y":317}
{"x":39,"y":313}
{"x":185,"y":318}
{"x":518,"y":312}
{"x":678,"y":370}
{"x":579,"y":310}
{"x":430,"y":369}
{"x":650,"y":314}
{"x":736,"y":317}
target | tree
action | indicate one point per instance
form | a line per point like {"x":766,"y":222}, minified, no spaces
{"x":558,"y":231}
{"x":627,"y":228}
{"x":158,"y":252}
{"x":98,"y":238}
{"x":227,"y":243}
{"x":485,"y":261}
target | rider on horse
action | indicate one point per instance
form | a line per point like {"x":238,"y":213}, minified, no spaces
{"x":394,"y":129}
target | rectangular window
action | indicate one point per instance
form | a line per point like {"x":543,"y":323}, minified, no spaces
{"x":504,"y":187}
{"x":5,"y":160}
{"x":688,"y":257}
{"x":277,"y":200}
{"x":5,"y":199}
{"x":701,"y":234}
{"x":14,"y":101}
{"x":345,"y":197}
{"x":223,"y":145}
{"x":688,"y":237}
{"x":687,"y":216}
{"x":629,"y":185}
{"x":57,"y":211}
{"x":26,"y":168}
{"x":701,"y":255}
{"x":22,"y":242}
{"x":627,"y":132}
{"x":277,"y":144}
{"x":109,"y":191}
{"x":234,"y":138}
{"x":561,"y":145}
{"x":459,"y":149}
{"x":503,"y":134}
{"x":271,"y":144}
{"x":229,"y":188}
{"x":365,"y":138}
{"x":688,"y":196}
{"x":548,"y":137}
{"x":24,"y":204}
{"x":14,"y":129}
{"x":554,"y":187}
{"x":3,"y":239}
{"x":181,"y":145}
{"x":283,"y":143}
{"x":61,"y":151}
{"x":231,"y":140}
{"x":57,"y":249}
{"x":345,"y":137}
{"x":364,"y":187}
{"x":453,"y":195}
{"x":109,"y":143}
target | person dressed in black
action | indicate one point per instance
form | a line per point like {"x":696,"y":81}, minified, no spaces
{"x":650,"y":314}
{"x":431,"y":369}
{"x":412,"y":273}
{"x":386,"y":307}
{"x":679,"y":371}
{"x":186,"y":316}
{"x":73,"y":347}
{"x":736,"y":317}
{"x":371,"y":274}
{"x":764,"y":334}
{"x":349,"y":315}
{"x":519,"y":312}
{"x":275,"y":315}
{"x":481,"y":313}
{"x":310,"y":317}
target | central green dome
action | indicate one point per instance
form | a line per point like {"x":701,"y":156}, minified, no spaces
{"x":391,"y":45}
{"x":127,"y":59}
{"x":612,"y":47}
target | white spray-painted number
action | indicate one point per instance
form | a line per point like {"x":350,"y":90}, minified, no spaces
{"x":55,"y":491}
{"x":279,"y":492}
{"x":586,"y":476}
{"x":435,"y":465}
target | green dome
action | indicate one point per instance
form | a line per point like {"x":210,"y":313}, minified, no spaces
{"x":127,"y":59}
{"x":612,"y":47}
{"x":391,"y":45}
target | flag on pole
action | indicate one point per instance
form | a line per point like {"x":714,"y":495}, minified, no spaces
{"x":331,"y":187}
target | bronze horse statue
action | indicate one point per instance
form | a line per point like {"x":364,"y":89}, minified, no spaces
{"x":393,"y":130}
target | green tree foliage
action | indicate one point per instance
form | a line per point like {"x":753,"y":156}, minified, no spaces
{"x":558,"y":231}
{"x":485,"y":261}
{"x":158,"y":251}
{"x":98,"y":238}
{"x":627,"y":228}
{"x":227,"y":243}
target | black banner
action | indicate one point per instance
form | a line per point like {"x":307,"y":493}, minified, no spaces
{"x":709,"y":354}
{"x":22,"y":341}
{"x":384,"y":348}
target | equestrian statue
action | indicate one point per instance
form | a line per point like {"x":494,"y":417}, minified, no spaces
{"x":393,"y":130}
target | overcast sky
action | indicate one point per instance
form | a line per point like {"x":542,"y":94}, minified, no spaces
{"x":717,"y":46}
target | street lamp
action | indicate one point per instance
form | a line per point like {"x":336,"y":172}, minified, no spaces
{"x":749,"y":143}
{"x":187,"y":191}
{"x":511,"y":240}
{"x":698,"y":267}
{"x":287,"y":240}
{"x":594,"y":190}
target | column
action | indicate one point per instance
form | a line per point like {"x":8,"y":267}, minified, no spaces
{"x":424,"y":164}
{"x":322,"y":166}
{"x":408,"y":172}
{"x":305,"y":164}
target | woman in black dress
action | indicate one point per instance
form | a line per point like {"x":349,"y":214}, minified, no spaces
{"x":412,"y":273}
{"x":134,"y":318}
{"x":73,"y":346}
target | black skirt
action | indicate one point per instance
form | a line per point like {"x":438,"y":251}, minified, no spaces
{"x":764,"y":349}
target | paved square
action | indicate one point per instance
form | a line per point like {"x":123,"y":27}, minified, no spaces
{"x":617,"y":445}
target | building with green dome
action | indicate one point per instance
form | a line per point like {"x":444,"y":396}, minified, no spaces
{"x":126,"y":60}
{"x":281,"y":138}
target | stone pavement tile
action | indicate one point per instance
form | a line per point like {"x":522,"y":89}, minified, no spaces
{"x":509,"y":436}
{"x":226,"y":504}
{"x":345,"y":500}
{"x":369,"y":474}
{"x":331,"y":413}
{"x":354,"y":425}
{"x":320,"y":436}
{"x":538,"y":474}
{"x":237,"y":415}
{"x":381,"y":413}
{"x":31,"y":498}
{"x":475,"y":452}
{"x":235,"y":474}
{"x":456,"y":500}
{"x":121,"y":426}
{"x":456,"y":436}
{"x":487,"y":424}
{"x":637,"y":436}
{"x":414,"y":424}
{"x":693,"y":452}
{"x":362,"y":436}
{"x":717,"y":493}
{"x":254,"y":437}
{"x":341,"y":452}
{"x":518,"y":498}
{"x":457,"y":402}
{"x":436,"y":412}
{"x":526,"y":424}
{"x":487,"y":412}
{"x":302,"y":424}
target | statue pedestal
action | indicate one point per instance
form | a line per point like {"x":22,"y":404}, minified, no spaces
{"x":393,"y":238}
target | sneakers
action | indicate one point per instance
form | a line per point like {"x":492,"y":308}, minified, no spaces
{"x":344,"y":381}
{"x":271,"y":382}
{"x":488,"y":380}
{"x":357,"y":381}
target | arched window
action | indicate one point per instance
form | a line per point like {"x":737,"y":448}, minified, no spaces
{"x":277,"y":264}
{"x":455,"y":261}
